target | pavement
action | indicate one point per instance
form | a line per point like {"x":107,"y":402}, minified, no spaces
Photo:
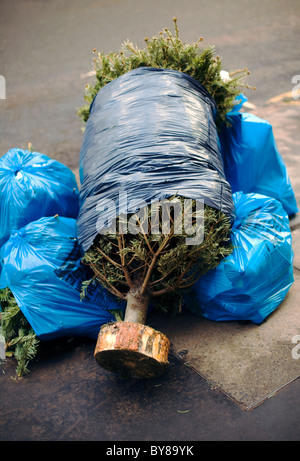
{"x":228,"y":381}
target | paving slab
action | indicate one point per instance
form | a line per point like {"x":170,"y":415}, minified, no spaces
{"x":249,"y":363}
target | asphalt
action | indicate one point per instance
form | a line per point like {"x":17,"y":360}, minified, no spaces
{"x":46,"y":53}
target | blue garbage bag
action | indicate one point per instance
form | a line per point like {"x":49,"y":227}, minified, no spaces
{"x":32,"y":186}
{"x":151,"y":134}
{"x":251,"y":282}
{"x":41,"y":264}
{"x":252,"y":161}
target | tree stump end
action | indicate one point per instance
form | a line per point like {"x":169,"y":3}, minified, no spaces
{"x":132,"y":350}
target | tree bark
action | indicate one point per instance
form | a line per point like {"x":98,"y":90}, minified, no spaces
{"x":137,"y":306}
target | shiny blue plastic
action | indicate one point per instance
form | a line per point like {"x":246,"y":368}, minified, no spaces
{"x":42,"y":267}
{"x":152,"y":134}
{"x":252,"y":161}
{"x":251,"y":282}
{"x":32,"y":186}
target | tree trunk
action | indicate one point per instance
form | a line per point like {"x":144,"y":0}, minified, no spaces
{"x":137,"y":306}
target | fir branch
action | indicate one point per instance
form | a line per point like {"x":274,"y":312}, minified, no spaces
{"x":166,"y":50}
{"x":171,"y":266}
{"x":19,"y":336}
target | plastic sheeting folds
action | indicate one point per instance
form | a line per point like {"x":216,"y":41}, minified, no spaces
{"x":151,"y":133}
{"x":251,"y":282}
{"x":32,"y":186}
{"x":42,"y":267}
{"x":252,"y":162}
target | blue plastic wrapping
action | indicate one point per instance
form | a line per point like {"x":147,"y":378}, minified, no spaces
{"x":251,"y":282}
{"x":32,"y":186}
{"x":151,"y":133}
{"x":42,"y":267}
{"x":252,"y":161}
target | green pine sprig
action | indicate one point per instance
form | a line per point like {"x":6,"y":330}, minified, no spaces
{"x":166,"y":50}
{"x":20,"y":339}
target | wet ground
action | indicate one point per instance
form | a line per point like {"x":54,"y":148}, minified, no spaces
{"x":69,"y":397}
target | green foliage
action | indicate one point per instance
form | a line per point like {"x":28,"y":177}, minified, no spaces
{"x":166,"y":50}
{"x":162,"y":265}
{"x":20,"y":339}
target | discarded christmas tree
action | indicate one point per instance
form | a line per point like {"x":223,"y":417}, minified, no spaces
{"x":155,"y":262}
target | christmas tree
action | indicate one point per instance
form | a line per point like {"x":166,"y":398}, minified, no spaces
{"x":153,"y":265}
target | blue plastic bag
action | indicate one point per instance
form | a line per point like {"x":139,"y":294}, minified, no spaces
{"x":252,"y":162}
{"x":251,"y":282}
{"x":42,"y":267}
{"x":32,"y":186}
{"x":151,"y":134}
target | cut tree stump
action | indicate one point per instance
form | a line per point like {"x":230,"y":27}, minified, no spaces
{"x":132,"y":350}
